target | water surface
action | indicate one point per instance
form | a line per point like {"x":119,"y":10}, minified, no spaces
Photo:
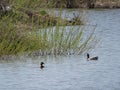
{"x":71,"y":72}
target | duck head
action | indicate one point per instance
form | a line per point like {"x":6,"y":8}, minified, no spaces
{"x":88,"y":56}
{"x":41,"y":65}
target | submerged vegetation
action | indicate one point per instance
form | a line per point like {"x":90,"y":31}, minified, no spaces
{"x":28,"y":28}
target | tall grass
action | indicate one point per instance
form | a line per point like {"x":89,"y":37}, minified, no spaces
{"x":13,"y":41}
{"x":62,"y":40}
{"x":57,"y":40}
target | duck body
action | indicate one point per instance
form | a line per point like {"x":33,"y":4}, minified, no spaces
{"x":41,"y":65}
{"x":91,"y":58}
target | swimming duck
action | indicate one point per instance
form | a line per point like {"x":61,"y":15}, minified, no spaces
{"x":41,"y":65}
{"x":91,"y":58}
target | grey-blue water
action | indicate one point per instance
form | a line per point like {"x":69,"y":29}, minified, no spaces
{"x":71,"y":72}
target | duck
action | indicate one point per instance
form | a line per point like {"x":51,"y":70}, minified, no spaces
{"x":91,"y":58}
{"x":41,"y":65}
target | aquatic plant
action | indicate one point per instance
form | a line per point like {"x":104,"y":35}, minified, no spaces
{"x":19,"y":34}
{"x":12,"y":40}
{"x":63,"y":40}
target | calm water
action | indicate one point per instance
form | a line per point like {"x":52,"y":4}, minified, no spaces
{"x":73,"y":72}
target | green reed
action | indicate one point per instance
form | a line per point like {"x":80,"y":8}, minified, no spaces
{"x":39,"y":39}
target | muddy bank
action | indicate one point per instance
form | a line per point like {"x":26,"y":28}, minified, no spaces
{"x":107,"y":4}
{"x":66,"y":3}
{"x":100,"y":4}
{"x":81,"y":4}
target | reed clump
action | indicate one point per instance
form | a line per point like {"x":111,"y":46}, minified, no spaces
{"x":12,"y":40}
{"x":62,"y":40}
{"x":37,"y":33}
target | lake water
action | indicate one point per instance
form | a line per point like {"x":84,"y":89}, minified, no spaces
{"x":71,"y":72}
